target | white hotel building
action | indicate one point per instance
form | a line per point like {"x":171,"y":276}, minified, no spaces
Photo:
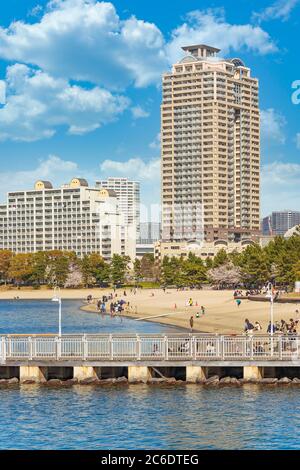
{"x":73,"y":218}
{"x":128,"y":194}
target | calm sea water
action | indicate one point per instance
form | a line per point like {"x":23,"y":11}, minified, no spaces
{"x":136,"y":416}
{"x":23,"y":316}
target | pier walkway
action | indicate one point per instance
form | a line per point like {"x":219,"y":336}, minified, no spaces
{"x":91,"y":354}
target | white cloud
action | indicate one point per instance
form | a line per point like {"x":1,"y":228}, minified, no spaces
{"x":280,"y":10}
{"x":77,"y":50}
{"x":272,"y":125}
{"x":210,"y":27}
{"x":2,"y":92}
{"x":280,"y":186}
{"x":138,"y":112}
{"x":60,"y":171}
{"x":52,"y":168}
{"x":86,"y":40}
{"x":37,"y":103}
{"x":135,"y":168}
{"x":155,"y":144}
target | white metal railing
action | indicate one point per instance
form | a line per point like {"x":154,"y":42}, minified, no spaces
{"x":176,"y":347}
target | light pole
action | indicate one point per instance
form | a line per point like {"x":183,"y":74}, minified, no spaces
{"x":271,"y":297}
{"x":57,"y":298}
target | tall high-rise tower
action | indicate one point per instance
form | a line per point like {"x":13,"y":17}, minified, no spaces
{"x":210,"y":149}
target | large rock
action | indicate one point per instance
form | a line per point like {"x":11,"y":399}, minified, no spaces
{"x":29,"y":381}
{"x":89,"y":381}
{"x":284,"y":381}
{"x":54,"y":383}
{"x":225,"y":380}
{"x":171,"y":380}
{"x":214,"y":380}
{"x":69,"y":382}
{"x":157,"y":380}
{"x":296,"y":380}
{"x":109,"y":381}
{"x":268,"y":381}
{"x":13,"y":381}
{"x":121,"y":380}
{"x":235,"y":381}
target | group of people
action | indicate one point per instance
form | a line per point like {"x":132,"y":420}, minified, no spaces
{"x":290,"y":327}
{"x":115,"y":306}
{"x":198,"y":314}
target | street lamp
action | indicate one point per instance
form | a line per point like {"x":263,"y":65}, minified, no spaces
{"x":57,"y":298}
{"x":271,"y":297}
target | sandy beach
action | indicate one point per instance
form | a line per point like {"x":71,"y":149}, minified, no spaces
{"x":222,"y":315}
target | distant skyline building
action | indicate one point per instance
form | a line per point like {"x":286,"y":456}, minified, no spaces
{"x":74,"y":217}
{"x":128,"y":194}
{"x":150,"y":232}
{"x":210,"y":149}
{"x":279,"y":222}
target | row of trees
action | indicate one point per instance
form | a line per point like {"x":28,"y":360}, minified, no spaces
{"x":278,"y":261}
{"x":61,"y":268}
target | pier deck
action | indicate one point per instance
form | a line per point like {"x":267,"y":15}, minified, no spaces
{"x":86,"y":353}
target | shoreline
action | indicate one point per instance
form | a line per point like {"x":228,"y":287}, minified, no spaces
{"x":170,"y":307}
{"x":93,"y":309}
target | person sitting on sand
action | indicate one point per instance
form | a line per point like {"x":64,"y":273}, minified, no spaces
{"x":248,"y":328}
{"x":257,"y":326}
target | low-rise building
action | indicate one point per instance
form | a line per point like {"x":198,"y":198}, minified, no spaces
{"x":74,"y":217}
{"x":203,"y":250}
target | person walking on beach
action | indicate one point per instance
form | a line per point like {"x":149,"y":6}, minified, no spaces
{"x":202,"y":310}
{"x":191,"y":323}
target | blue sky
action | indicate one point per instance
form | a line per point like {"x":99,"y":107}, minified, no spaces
{"x":82,"y":81}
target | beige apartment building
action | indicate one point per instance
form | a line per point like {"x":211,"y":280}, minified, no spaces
{"x":210,"y":132}
{"x":74,"y":217}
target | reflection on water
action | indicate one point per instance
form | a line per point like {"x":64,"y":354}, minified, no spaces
{"x":151,"y":417}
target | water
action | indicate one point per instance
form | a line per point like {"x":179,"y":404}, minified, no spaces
{"x":42,"y":317}
{"x":136,"y":416}
{"x":149,"y":417}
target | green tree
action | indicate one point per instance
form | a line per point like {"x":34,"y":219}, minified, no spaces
{"x":95,"y":270}
{"x":220,"y":258}
{"x":193,"y":271}
{"x":58,"y":267}
{"x":148,"y":266}
{"x":171,"y":271}
{"x":20,"y":269}
{"x":5,"y":260}
{"x":137,"y":271}
{"x":254,"y":266}
{"x":119,"y":268}
{"x":40,"y":261}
